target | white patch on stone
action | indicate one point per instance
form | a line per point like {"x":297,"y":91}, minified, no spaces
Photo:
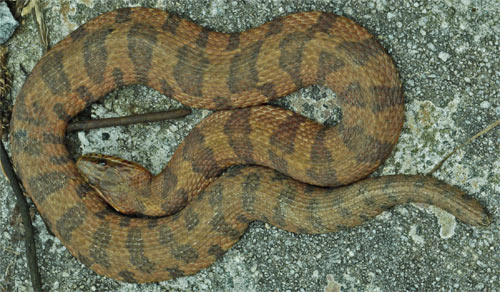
{"x":446,"y":222}
{"x":444,"y":56}
{"x":417,"y":238}
{"x":331,"y":284}
{"x":485,"y":104}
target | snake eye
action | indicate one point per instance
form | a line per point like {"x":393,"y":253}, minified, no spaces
{"x":102,"y":162}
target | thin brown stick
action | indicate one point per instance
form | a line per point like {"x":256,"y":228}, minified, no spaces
{"x":5,"y":87}
{"x":484,"y":131}
{"x":5,"y":76}
{"x":128,"y":120}
{"x":28,"y":227}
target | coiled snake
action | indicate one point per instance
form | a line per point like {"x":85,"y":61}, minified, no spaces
{"x":207,"y":69}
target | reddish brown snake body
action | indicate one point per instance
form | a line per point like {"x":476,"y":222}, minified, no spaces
{"x":212,"y":70}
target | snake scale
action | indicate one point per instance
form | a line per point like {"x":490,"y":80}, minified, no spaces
{"x":210,"y":209}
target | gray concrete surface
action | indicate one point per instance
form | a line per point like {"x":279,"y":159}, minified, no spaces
{"x":448,"y":56}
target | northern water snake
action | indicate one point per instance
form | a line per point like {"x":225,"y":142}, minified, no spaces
{"x":206,"y":69}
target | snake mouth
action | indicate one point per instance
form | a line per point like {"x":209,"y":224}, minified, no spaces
{"x":109,"y":199}
{"x":84,"y":169}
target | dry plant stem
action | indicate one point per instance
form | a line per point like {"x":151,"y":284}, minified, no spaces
{"x":128,"y":120}
{"x":40,"y":25}
{"x":484,"y":131}
{"x":28,"y":227}
{"x":19,"y":8}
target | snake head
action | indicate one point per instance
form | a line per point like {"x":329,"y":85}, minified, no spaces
{"x":119,"y":182}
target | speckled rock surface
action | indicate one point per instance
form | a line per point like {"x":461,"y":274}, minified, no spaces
{"x":7,"y":23}
{"x":447,"y":53}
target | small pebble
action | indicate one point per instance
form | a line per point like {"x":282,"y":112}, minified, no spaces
{"x":485,"y":104}
{"x":444,"y":56}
